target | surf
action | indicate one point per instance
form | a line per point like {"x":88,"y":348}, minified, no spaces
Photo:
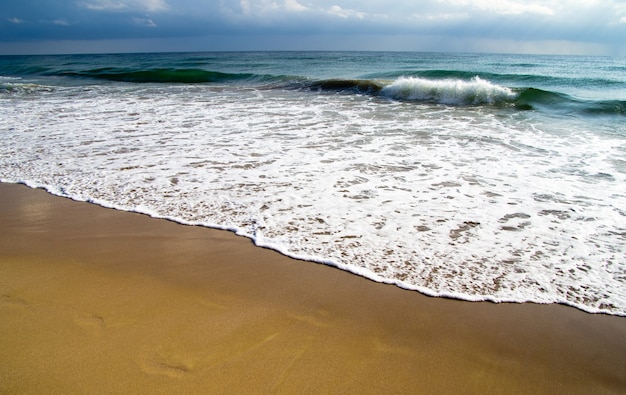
{"x":23,"y":88}
{"x":448,"y":91}
{"x":496,"y":181}
{"x":475,"y":91}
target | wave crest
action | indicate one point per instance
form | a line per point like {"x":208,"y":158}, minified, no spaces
{"x":539,"y":99}
{"x":455,"y":92}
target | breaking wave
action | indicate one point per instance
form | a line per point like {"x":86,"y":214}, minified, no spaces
{"x":455,"y":92}
{"x":472,"y":92}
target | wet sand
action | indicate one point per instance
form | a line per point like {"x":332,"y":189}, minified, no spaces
{"x":94,"y":300}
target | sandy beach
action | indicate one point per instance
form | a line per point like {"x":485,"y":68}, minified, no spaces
{"x":93,"y":300}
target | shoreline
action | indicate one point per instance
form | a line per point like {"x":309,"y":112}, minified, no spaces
{"x":95,"y":299}
{"x":355,"y":270}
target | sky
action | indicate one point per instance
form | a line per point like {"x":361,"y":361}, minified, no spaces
{"x":592,"y":27}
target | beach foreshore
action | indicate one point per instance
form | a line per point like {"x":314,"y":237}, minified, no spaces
{"x":94,"y":300}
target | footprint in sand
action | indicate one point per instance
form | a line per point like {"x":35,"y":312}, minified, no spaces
{"x":320,"y":318}
{"x":164,"y":363}
{"x":93,"y":324}
{"x":12,"y":301}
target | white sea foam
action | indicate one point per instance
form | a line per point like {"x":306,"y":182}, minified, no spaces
{"x":17,"y":87}
{"x":459,"y":202}
{"x":449,"y":91}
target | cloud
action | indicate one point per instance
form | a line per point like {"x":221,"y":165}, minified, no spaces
{"x":125,"y":5}
{"x":144,"y":22}
{"x":438,"y":18}
{"x":620,"y":13}
{"x":154,"y":5}
{"x":345,"y":13}
{"x":294,"y":6}
{"x":312,"y":22}
{"x":503,"y":7}
{"x":104,"y":5}
{"x":260,"y":8}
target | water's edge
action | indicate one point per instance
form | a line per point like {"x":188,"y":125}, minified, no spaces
{"x":362,"y":272}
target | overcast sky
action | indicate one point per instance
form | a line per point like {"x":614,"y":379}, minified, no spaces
{"x":595,"y":27}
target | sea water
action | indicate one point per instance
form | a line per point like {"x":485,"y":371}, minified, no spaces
{"x":472,"y":176}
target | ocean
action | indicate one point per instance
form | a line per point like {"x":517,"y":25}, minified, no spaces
{"x":470,"y":176}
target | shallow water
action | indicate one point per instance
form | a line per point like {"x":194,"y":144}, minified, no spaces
{"x":502,"y":179}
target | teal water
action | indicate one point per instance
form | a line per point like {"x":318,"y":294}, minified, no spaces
{"x":479,"y":177}
{"x":591,"y":81}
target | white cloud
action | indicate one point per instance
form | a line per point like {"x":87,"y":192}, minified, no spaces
{"x":443,"y":17}
{"x":294,"y":6}
{"x":144,"y":22}
{"x":123,"y":5}
{"x":503,"y":7}
{"x":620,"y":12}
{"x":345,"y":13}
{"x":245,"y":6}
{"x":61,"y":22}
{"x":153,"y":5}
{"x":260,"y":11}
{"x":104,"y":5}
{"x":15,"y":20}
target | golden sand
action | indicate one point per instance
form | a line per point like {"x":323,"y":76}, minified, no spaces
{"x":94,"y":300}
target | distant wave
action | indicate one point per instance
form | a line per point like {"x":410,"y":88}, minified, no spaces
{"x":145,"y":75}
{"x":186,"y":76}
